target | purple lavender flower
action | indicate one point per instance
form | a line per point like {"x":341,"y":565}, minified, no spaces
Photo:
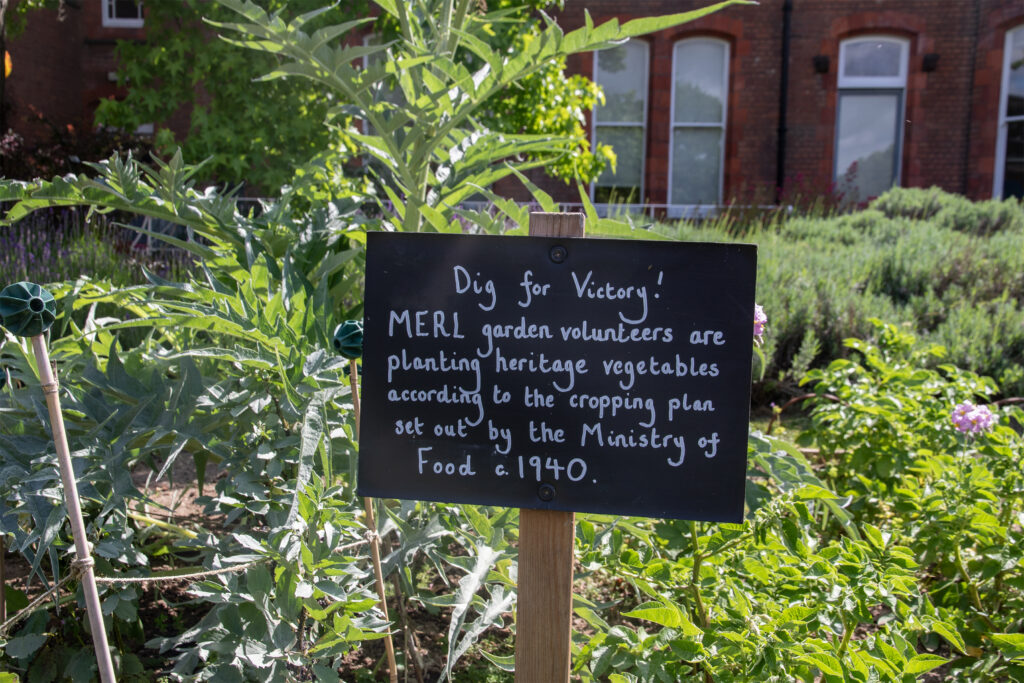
{"x":760,"y":319}
{"x":971,"y":419}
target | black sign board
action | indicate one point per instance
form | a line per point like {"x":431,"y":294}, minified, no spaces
{"x":594,"y":375}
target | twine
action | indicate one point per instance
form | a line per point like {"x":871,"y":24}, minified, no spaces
{"x":80,"y":564}
{"x":30,"y":607}
{"x":78,"y":567}
{"x":166,"y":578}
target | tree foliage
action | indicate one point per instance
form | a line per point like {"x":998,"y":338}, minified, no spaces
{"x":259,"y":131}
{"x":248,"y":130}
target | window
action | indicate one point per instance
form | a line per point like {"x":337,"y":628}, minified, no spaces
{"x":1009,"y":175}
{"x":700,"y":93}
{"x":872,"y":82}
{"x":122,"y":13}
{"x":621,"y":122}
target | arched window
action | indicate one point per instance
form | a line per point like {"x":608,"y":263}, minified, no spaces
{"x":869,"y":140}
{"x":1009,"y":175}
{"x":622,"y":122}
{"x":700,"y":95}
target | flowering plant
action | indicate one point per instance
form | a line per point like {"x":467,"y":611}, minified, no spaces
{"x":971,"y":419}
{"x":760,"y":320}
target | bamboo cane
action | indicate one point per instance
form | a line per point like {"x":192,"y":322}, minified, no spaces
{"x":83,"y":560}
{"x":28,"y":310}
{"x":371,"y":523}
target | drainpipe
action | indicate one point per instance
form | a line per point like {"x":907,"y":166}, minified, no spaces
{"x":780,"y":159}
{"x":968,"y":119}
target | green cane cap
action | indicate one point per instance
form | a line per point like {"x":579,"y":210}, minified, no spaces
{"x":348,"y":339}
{"x":26,"y":309}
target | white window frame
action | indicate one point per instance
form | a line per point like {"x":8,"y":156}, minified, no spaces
{"x":107,"y":7}
{"x":677,"y":210}
{"x":875,"y":85}
{"x":645,"y":90}
{"x":999,"y":177}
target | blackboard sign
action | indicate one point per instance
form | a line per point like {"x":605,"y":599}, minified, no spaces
{"x":593,"y":375}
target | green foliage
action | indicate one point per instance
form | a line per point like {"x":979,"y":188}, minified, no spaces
{"x":883,"y":425}
{"x":889,"y":549}
{"x":259,"y":132}
{"x":903,"y":259}
{"x":250,"y":131}
{"x":235,"y":369}
{"x":950,"y":211}
{"x":431,"y":150}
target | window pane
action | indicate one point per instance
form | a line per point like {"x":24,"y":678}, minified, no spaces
{"x":622,"y":72}
{"x":628,"y":145}
{"x":699,"y":81}
{"x":127,"y":9}
{"x":866,"y":144}
{"x":696,"y":160}
{"x":1015,"y":93}
{"x":1013,"y":179}
{"x":871,"y":58}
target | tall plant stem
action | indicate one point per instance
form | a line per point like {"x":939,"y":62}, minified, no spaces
{"x":700,"y":611}
{"x":972,"y":588}
{"x":371,"y":525}
{"x":83,"y":559}
{"x":3,"y":582}
{"x":411,"y":655}
{"x":847,"y":633}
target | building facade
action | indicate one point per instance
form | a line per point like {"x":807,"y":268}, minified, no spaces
{"x":849,"y":97}
{"x":64,"y":64}
{"x":752,"y":104}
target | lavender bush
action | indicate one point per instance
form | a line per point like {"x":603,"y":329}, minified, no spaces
{"x":60,"y":244}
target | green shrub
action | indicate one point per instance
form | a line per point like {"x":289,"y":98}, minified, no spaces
{"x":988,"y":335}
{"x":910,"y":202}
{"x":950,"y":269}
{"x":981,"y":218}
{"x":951,"y":211}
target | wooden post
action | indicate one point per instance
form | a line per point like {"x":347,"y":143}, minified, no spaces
{"x":544,"y":608}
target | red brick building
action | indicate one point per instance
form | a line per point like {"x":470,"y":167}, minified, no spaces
{"x":810,"y":95}
{"x":816,"y":95}
{"x":64,"y":63}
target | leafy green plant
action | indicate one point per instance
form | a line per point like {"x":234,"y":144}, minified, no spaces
{"x":432,"y":151}
{"x":888,"y":548}
{"x":896,"y":261}
{"x":234,"y":368}
{"x":886,"y":435}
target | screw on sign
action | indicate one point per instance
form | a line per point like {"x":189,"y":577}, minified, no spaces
{"x":28,"y":310}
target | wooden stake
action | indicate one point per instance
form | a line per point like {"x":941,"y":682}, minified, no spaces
{"x":371,"y":525}
{"x":83,"y":559}
{"x":544,"y":607}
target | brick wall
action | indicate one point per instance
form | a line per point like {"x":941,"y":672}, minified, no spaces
{"x":45,"y":66}
{"x":996,"y":19}
{"x":62,"y":69}
{"x":950,"y":112}
{"x":936,"y":103}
